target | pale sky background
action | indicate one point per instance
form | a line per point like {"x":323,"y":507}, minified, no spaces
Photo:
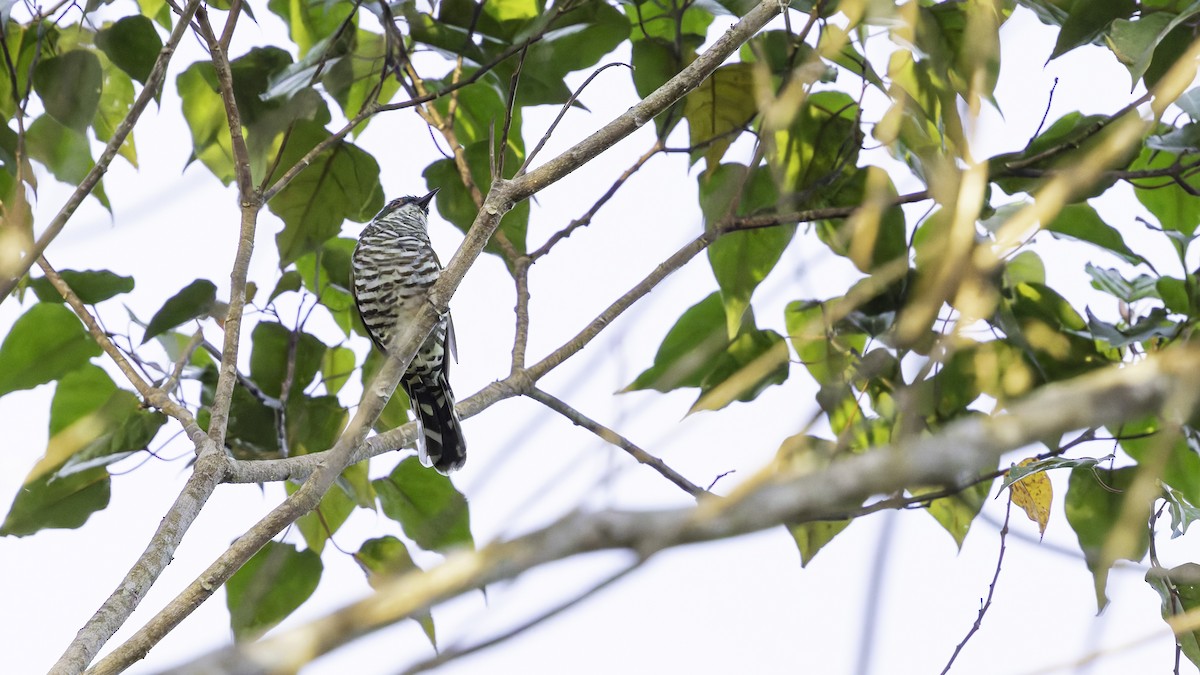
{"x":743,"y":605}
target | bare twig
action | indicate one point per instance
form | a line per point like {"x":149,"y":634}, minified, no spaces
{"x":520,"y":271}
{"x":586,"y":218}
{"x":610,"y":436}
{"x":563,"y":113}
{"x":455,"y":653}
{"x":153,"y":81}
{"x":991,"y":589}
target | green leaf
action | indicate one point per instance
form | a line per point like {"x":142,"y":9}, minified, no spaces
{"x":388,"y":557}
{"x":956,"y":512}
{"x":656,"y":60}
{"x":269,"y":358}
{"x":1143,"y":442}
{"x":1179,"y":590}
{"x":1094,"y":504}
{"x":341,"y":183}
{"x":269,"y":587}
{"x":1174,"y":207}
{"x":353,"y":79}
{"x":454,"y":201}
{"x":687,"y":352}
{"x":666,"y":20}
{"x":741,"y":260}
{"x":812,"y":537}
{"x":92,"y":286}
{"x":1087,"y":21}
{"x":205,"y":115}
{"x":336,"y":367}
{"x":25,"y":45}
{"x":116,"y":100}
{"x":425,"y":503}
{"x":64,"y":151}
{"x":1082,"y":223}
{"x":1175,"y":295}
{"x":876,"y":233}
{"x":92,"y":424}
{"x":1183,"y":512}
{"x":51,"y":502}
{"x":193,"y":302}
{"x":69,"y":85}
{"x":309,"y":21}
{"x":1070,"y":137}
{"x":132,"y":44}
{"x":819,"y":148}
{"x":718,"y":108}
{"x":288,"y":281}
{"x":1153,"y":325}
{"x":1020,"y":471}
{"x":1115,"y":284}
{"x":313,"y":423}
{"x":44,"y":344}
{"x":829,"y":353}
{"x":755,"y":360}
{"x":578,"y":40}
{"x":320,"y":524}
{"x":267,"y":121}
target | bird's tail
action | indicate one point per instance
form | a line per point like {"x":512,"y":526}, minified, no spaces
{"x":441,"y":443}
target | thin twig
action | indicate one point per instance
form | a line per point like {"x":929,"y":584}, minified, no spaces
{"x":563,"y":113}
{"x":452,"y":653}
{"x":610,"y":436}
{"x":586,"y":218}
{"x":152,"y":395}
{"x":172,"y":380}
{"x":991,"y":589}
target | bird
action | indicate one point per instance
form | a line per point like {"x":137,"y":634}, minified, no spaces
{"x":392,"y":268}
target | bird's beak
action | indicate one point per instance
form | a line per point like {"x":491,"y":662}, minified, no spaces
{"x":423,"y":202}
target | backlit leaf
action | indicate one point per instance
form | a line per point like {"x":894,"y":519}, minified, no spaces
{"x":193,"y":302}
{"x":425,"y":503}
{"x":45,"y":343}
{"x":269,"y":587}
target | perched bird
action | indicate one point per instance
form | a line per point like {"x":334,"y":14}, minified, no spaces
{"x":393,"y":267}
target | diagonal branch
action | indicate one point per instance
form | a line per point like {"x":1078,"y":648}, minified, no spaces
{"x":499,"y":200}
{"x":153,"y":395}
{"x":153,"y":82}
{"x":961,"y":450}
{"x":610,"y":436}
{"x":521,"y":380}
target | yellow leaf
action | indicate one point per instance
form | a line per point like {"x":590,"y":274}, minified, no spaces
{"x":1033,"y":493}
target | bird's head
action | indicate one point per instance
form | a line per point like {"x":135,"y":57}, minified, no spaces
{"x":407,"y":206}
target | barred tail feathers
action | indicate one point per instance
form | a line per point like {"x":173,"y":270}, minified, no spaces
{"x":440,"y":443}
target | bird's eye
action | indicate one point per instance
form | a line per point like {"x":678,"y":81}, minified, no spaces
{"x":392,"y":206}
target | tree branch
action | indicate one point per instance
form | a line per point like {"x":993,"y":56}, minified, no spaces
{"x":610,"y":436}
{"x":961,"y":450}
{"x":250,"y":203}
{"x":152,"y":395}
{"x":153,"y":82}
{"x":500,"y":199}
